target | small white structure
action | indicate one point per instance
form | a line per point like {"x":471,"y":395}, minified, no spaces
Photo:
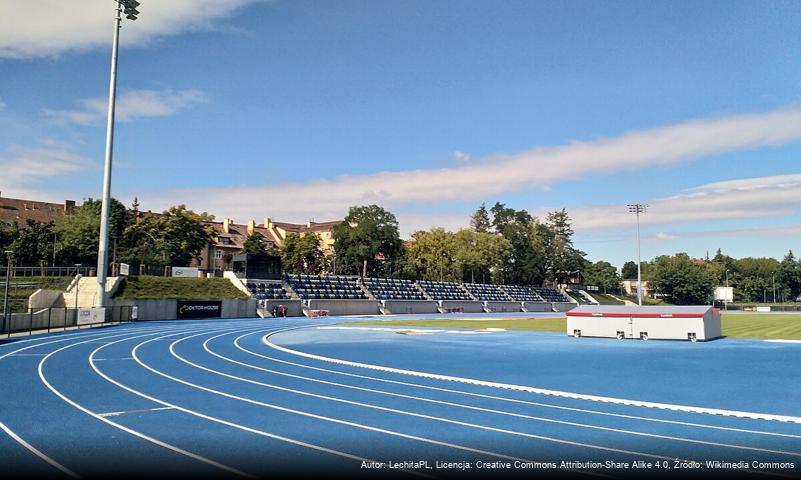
{"x":667,"y":323}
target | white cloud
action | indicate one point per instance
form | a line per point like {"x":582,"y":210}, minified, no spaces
{"x":24,"y":165}
{"x":773,"y":196}
{"x":129,"y":106}
{"x":40,"y":28}
{"x":460,"y":156}
{"x":535,"y":168}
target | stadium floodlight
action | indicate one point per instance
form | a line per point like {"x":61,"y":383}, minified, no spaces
{"x":102,"y":252}
{"x":638,"y":208}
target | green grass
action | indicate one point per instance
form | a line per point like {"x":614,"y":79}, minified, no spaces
{"x":605,"y":299}
{"x":556,"y":324}
{"x":18,"y":296}
{"x":762,"y":326}
{"x":155,"y":288}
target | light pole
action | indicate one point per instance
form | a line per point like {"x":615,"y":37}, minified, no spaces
{"x":129,"y":6}
{"x":638,"y":208}
{"x":726,"y":302}
{"x":7,"y":324}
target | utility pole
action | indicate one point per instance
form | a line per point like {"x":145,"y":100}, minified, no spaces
{"x":9,"y":256}
{"x":638,"y":208}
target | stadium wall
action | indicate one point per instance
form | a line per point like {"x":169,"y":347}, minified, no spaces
{"x":410,"y":306}
{"x":167,"y":309}
{"x":294,"y":307}
{"x":346,"y":307}
{"x":466,"y":306}
{"x":503,"y":306}
{"x":562,"y":306}
{"x":537,"y":307}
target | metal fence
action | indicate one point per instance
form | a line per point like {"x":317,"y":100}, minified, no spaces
{"x":59,"y":318}
{"x":45,"y":271}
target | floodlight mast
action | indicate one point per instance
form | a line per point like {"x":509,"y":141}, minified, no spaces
{"x":638,"y":208}
{"x":129,"y":6}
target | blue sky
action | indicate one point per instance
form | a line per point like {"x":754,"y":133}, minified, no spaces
{"x":296,"y":110}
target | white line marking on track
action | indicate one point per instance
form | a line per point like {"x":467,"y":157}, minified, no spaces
{"x":535,"y":390}
{"x":235,"y":425}
{"x":506,"y":399}
{"x":140,"y":410}
{"x":38,"y":452}
{"x":14,"y":435}
{"x":121,"y":427}
{"x":458,"y":405}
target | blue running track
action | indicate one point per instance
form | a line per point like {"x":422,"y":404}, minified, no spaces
{"x":259,"y":398}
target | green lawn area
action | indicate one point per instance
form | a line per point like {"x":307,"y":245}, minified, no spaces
{"x":148,"y":288}
{"x":763,"y":326}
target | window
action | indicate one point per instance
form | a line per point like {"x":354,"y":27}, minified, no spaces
{"x":225,"y":241}
{"x":218,"y":254}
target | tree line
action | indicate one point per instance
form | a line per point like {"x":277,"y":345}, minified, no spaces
{"x":174,"y":237}
{"x":684,"y":280}
{"x":502,"y":245}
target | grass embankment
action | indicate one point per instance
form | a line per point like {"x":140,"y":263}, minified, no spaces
{"x":23,"y":287}
{"x":762,"y":326}
{"x":605,"y":299}
{"x":158,"y":288}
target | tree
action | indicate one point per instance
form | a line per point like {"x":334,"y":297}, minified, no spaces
{"x":255,"y":243}
{"x":178,"y":234}
{"x":79,"y":233}
{"x":433,"y":254}
{"x":562,"y":258}
{"x":681,"y":279}
{"x":33,"y":245}
{"x":481,"y":256}
{"x":790,"y":275}
{"x":302,"y":254}
{"x":603,"y":275}
{"x":526,"y":265}
{"x":367,"y":241}
{"x":629,"y":270}
{"x":480,"y":220}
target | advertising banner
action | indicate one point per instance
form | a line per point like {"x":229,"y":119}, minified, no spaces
{"x":185,"y":272}
{"x":199,"y":309}
{"x":88,"y":316}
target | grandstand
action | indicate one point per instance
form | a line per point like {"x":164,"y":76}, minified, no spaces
{"x":326,"y":287}
{"x":444,"y":290}
{"x":267,"y":291}
{"x":488,"y":293}
{"x":392,"y":289}
{"x":522,"y":294}
{"x":552,"y":295}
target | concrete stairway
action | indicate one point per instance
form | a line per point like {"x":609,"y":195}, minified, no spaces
{"x":85,"y":289}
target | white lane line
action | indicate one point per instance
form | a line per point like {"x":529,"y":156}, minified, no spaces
{"x":235,"y":425}
{"x":124,"y":428}
{"x":506,"y":399}
{"x":37,"y":452}
{"x":392,"y":410}
{"x":535,"y":390}
{"x":13,"y":434}
{"x":110,"y":359}
{"x":474,"y":408}
{"x":140,"y":410}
